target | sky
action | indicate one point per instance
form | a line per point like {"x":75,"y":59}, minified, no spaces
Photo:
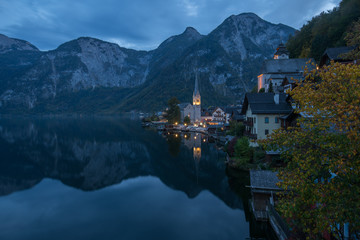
{"x":139,"y":24}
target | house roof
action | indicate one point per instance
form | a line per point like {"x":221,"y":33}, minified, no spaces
{"x":335,"y":53}
{"x":231,"y":110}
{"x":293,"y":65}
{"x":217,"y":109}
{"x":264,"y":179}
{"x":281,"y":49}
{"x":293,"y":77}
{"x":264,"y":103}
{"x":183,"y":105}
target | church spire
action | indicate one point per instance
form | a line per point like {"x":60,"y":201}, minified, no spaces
{"x":196,"y":94}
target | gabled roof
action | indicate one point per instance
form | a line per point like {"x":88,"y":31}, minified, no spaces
{"x":217,"y":109}
{"x":292,"y":65}
{"x":335,"y":53}
{"x":264,"y":179}
{"x":264,"y":103}
{"x":281,"y":49}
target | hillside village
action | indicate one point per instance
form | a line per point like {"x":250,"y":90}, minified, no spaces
{"x":262,"y":112}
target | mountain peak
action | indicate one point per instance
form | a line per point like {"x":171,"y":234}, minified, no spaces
{"x":9,"y":44}
{"x":191,"y":30}
{"x":192,"y":33}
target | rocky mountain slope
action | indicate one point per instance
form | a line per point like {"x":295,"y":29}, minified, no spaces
{"x":88,"y":75}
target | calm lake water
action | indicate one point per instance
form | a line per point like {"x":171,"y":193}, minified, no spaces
{"x":108,"y":178}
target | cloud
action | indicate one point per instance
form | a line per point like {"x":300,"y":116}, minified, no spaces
{"x":191,"y":8}
{"x":139,"y":24}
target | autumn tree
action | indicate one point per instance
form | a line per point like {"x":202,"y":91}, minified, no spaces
{"x":352,"y":38}
{"x":322,"y":176}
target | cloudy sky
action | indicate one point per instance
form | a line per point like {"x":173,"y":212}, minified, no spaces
{"x":139,"y":24}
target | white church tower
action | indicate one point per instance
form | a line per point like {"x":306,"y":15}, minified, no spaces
{"x":196,"y":102}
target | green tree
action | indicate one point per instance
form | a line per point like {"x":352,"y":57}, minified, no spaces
{"x":254,"y":89}
{"x":262,"y":90}
{"x":325,"y":30}
{"x":271,"y":87}
{"x":187,"y":120}
{"x":242,"y":151}
{"x":236,"y":129}
{"x":322,"y":175}
{"x":173,"y":112}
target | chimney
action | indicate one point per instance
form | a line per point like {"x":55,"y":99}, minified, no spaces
{"x":276,"y":98}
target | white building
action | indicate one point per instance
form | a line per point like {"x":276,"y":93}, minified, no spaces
{"x":263,"y":112}
{"x":275,"y":71}
{"x":192,"y":111}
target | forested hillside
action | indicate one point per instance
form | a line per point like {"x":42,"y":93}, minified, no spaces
{"x":325,"y":30}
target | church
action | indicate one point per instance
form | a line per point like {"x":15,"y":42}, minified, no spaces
{"x":192,"y":111}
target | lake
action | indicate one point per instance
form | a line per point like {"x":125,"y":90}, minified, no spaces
{"x":108,"y":178}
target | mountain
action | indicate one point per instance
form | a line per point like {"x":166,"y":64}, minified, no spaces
{"x":89,"y":75}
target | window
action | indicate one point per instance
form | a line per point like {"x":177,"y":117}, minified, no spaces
{"x":266,"y":131}
{"x":266,"y":119}
{"x":276,"y":120}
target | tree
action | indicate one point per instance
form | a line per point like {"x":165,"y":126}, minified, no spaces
{"x":173,"y":112}
{"x":322,"y":176}
{"x":187,"y":120}
{"x":271,"y":87}
{"x":236,"y":129}
{"x":352,"y":38}
{"x":242,"y":151}
{"x":254,"y":89}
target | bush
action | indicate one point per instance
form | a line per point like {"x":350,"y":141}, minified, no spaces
{"x":243,"y":151}
{"x":236,"y":129}
{"x":230,"y":147}
{"x":187,"y":120}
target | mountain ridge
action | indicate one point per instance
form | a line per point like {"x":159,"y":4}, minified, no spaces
{"x":116,"y":79}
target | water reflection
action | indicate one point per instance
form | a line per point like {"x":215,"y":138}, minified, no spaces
{"x":91,"y":154}
{"x":170,"y":186}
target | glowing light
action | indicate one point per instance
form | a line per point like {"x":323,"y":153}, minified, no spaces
{"x":204,"y":140}
{"x":195,"y":137}
{"x":176,"y":135}
{"x":176,"y":123}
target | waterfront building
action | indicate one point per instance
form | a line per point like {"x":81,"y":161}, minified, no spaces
{"x":263,"y":113}
{"x":192,"y":111}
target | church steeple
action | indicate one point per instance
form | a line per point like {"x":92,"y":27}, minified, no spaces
{"x":196,"y":93}
{"x":281,"y":52}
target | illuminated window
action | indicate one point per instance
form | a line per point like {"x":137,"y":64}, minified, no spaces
{"x":266,"y":119}
{"x":276,"y":120}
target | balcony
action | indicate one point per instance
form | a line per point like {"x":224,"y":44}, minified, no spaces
{"x":250,"y":135}
{"x":249,"y":123}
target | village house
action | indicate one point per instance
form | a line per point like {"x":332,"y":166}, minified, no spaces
{"x":263,"y":113}
{"x":279,"y":73}
{"x":336,"y":55}
{"x":219,"y":116}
